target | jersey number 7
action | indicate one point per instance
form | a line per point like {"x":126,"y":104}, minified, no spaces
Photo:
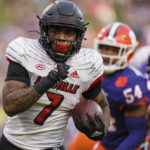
{"x":56,"y":100}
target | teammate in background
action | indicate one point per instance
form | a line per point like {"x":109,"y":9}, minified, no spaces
{"x":45,"y":79}
{"x":126,"y":91}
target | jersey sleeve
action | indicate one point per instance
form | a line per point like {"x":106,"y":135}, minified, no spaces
{"x":95,"y":74}
{"x":97,"y":69}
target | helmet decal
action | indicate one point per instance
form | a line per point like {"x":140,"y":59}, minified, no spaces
{"x":113,"y":30}
{"x":64,"y":21}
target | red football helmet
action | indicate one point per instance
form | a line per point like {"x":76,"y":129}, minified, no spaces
{"x":121,"y":37}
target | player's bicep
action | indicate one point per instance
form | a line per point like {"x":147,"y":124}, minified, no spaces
{"x":135,"y":111}
{"x":17,"y":78}
{"x":100,"y":98}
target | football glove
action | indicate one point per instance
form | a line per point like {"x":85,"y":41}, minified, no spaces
{"x":52,"y":78}
{"x":95,"y":129}
{"x":60,"y":74}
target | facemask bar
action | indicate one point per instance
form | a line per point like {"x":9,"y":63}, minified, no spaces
{"x":57,"y":55}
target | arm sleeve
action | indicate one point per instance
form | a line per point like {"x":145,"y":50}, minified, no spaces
{"x":18,"y":73}
{"x":136,"y":127}
{"x":92,"y":92}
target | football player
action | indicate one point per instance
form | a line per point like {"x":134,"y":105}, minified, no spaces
{"x":45,"y":80}
{"x":126,"y":90}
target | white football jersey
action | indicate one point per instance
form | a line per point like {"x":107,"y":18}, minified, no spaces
{"x":23,"y":130}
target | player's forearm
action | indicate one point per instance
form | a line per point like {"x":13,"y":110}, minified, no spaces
{"x":20,"y":100}
{"x":106,"y":115}
{"x":102,"y":101}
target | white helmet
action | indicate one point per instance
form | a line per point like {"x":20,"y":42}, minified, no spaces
{"x":122,"y":37}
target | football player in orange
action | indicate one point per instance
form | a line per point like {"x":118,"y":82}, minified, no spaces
{"x":126,"y":90}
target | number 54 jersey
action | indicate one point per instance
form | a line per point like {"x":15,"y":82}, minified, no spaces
{"x":125,"y":88}
{"x":43,"y":125}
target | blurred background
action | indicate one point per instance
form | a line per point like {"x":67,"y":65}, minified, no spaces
{"x":17,"y":17}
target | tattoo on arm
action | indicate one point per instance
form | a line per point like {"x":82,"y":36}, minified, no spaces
{"x":18,"y":97}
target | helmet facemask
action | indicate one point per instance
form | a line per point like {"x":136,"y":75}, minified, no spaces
{"x":57,"y":49}
{"x":117,"y":60}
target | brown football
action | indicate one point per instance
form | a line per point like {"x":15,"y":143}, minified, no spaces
{"x":83,"y":107}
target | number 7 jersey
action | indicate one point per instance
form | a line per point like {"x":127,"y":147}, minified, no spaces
{"x":44,"y":124}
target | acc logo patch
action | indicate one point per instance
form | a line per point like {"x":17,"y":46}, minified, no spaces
{"x":121,"y":81}
{"x":40,"y":66}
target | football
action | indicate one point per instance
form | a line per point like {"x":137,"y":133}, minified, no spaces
{"x":83,"y":107}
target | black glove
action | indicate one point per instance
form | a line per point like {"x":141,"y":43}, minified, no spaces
{"x":52,"y":78}
{"x":57,"y":76}
{"x":95,"y":129}
{"x":62,"y":71}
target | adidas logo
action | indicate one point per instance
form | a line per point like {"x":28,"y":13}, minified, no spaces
{"x":74,"y":75}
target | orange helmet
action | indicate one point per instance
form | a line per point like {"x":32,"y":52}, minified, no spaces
{"x":120,"y":36}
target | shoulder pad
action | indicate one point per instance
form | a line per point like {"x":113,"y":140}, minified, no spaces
{"x":23,"y":50}
{"x":15,"y":50}
{"x":87,"y":61}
